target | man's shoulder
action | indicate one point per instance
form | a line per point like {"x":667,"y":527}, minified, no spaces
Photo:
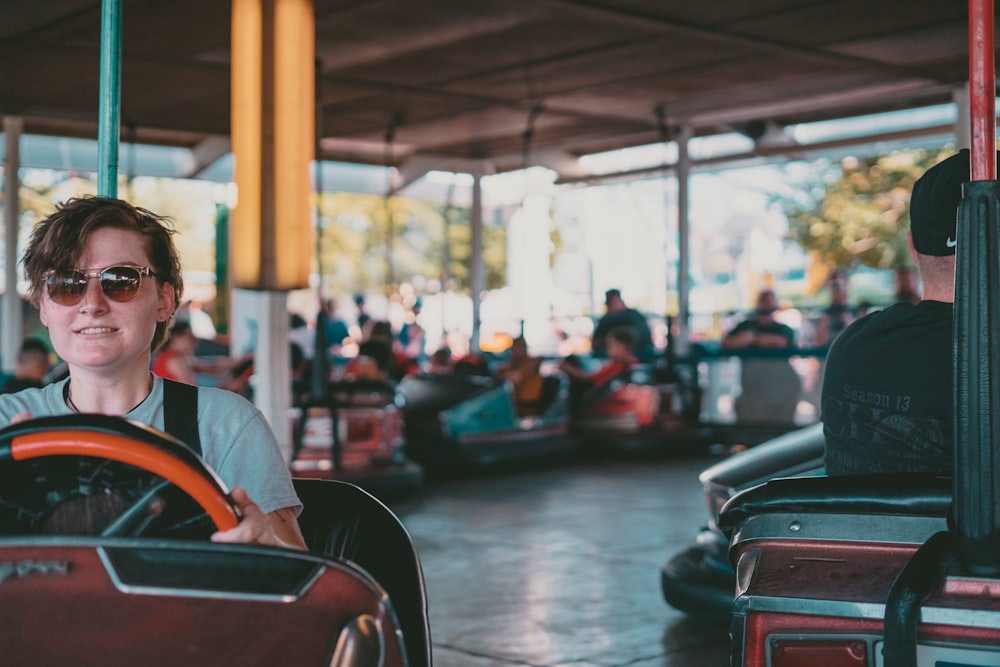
{"x":894,"y":328}
{"x":930,"y":313}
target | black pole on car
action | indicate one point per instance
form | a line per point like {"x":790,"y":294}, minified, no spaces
{"x":972,"y":539}
{"x":976,"y":508}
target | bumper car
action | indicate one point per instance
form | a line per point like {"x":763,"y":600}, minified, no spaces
{"x":105,"y":561}
{"x":355,"y":434}
{"x":856,"y":571}
{"x":467,"y":418}
{"x":700,"y":580}
{"x":643,"y":409}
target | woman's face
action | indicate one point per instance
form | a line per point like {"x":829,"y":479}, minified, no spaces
{"x":99,"y":334}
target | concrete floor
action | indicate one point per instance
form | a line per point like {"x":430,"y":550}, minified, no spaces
{"x":560,"y":567}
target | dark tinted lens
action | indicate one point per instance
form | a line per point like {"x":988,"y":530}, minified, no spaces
{"x":120,"y":283}
{"x":66,"y":287}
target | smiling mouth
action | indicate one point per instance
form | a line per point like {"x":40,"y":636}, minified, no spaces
{"x":95,"y":330}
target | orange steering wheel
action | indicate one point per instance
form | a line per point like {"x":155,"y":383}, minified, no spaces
{"x":127,"y":442}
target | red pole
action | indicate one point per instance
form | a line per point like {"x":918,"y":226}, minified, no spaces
{"x":982,"y":90}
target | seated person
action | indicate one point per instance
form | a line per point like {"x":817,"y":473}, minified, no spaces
{"x":376,"y":359}
{"x":887,"y":392}
{"x":177,"y":362}
{"x":440,"y":362}
{"x":619,"y":343}
{"x":107,"y":279}
{"x":618,"y":314}
{"x":524,"y":372}
{"x":31,"y":368}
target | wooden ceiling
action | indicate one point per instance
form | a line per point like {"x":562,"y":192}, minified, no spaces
{"x":505,"y":83}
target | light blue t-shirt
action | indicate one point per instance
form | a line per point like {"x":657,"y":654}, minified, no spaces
{"x":236,"y":441}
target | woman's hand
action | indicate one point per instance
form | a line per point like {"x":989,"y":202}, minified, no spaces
{"x":279,"y":528}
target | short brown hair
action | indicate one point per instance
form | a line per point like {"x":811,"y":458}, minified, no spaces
{"x":57,"y":241}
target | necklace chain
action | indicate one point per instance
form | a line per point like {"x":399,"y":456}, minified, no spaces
{"x":72,"y":406}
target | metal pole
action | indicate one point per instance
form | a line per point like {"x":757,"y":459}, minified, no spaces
{"x":11,"y":326}
{"x":109,"y":119}
{"x":683,"y":242}
{"x":476,"y":277}
{"x":982,"y":93}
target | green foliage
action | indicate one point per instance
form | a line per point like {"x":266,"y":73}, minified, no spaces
{"x":189,"y":204}
{"x":354,"y":229}
{"x":860,"y":214}
{"x":353,"y":243}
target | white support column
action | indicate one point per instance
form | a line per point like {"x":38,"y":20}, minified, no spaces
{"x":684,"y":242}
{"x":268,"y":310}
{"x":12,"y":324}
{"x":477,"y":279}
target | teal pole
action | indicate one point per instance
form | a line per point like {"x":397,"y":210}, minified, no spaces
{"x":109,"y":112}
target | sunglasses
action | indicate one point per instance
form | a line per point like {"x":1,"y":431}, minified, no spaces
{"x":119,"y":283}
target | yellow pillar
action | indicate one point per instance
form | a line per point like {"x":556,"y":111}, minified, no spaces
{"x":272,"y":117}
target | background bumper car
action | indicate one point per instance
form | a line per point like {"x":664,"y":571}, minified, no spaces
{"x":700,"y":580}
{"x":646,"y":409}
{"x":465,"y":419}
{"x":355,"y":434}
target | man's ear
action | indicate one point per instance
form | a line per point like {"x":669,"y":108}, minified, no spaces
{"x":166,"y":303}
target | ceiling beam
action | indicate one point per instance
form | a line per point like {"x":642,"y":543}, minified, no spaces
{"x":206,"y":153}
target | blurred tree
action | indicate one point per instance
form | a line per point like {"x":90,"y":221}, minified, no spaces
{"x":860,"y":213}
{"x":353,"y":243}
{"x":353,"y":229}
{"x":189,"y":204}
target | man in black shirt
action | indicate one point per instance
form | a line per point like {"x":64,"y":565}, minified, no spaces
{"x":761,"y":329}
{"x":618,"y":314}
{"x":887,"y":391}
{"x":769,"y":386}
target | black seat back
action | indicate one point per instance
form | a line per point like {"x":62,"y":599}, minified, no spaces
{"x":911,"y":494}
{"x":340,"y":520}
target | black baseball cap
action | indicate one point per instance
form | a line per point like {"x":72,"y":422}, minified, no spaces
{"x":934,"y":205}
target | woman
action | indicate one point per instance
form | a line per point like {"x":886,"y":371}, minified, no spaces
{"x":106,"y":279}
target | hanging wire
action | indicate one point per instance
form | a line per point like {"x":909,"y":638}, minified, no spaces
{"x":529,"y":134}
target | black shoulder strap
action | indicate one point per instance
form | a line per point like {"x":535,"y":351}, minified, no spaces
{"x":180,"y":413}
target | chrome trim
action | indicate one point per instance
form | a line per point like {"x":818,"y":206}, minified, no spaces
{"x":201,"y":593}
{"x":840,"y":527}
{"x":972,"y":618}
{"x":360,"y":644}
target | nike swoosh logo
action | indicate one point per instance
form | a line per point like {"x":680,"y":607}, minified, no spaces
{"x":951,"y":243}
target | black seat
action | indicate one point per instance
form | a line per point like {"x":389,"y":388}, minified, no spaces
{"x":342,"y":521}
